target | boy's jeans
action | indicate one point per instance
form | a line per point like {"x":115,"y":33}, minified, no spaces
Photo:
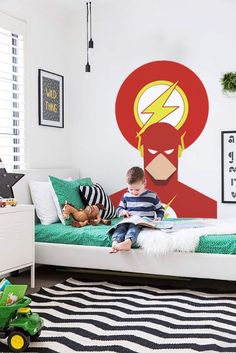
{"x":126,"y":231}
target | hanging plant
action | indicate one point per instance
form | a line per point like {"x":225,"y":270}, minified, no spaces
{"x":228,"y":82}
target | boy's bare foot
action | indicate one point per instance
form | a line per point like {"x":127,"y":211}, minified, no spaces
{"x":124,"y":245}
{"x":113,"y":247}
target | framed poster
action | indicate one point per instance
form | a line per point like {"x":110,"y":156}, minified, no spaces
{"x":51,"y":99}
{"x":228,"y":165}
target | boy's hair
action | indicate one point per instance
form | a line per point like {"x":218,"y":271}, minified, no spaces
{"x":134,"y":175}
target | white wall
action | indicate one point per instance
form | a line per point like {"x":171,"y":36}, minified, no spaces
{"x":128,"y":34}
{"x":46,"y":48}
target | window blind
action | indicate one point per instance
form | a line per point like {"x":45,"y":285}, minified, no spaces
{"x":12,"y":132}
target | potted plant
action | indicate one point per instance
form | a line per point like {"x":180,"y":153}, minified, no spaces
{"x":228,"y":82}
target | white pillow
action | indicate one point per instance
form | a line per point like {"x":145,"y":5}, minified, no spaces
{"x":41,"y":194}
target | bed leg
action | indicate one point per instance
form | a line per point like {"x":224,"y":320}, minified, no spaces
{"x":32,"y":276}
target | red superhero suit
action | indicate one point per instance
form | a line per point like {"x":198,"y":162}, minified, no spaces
{"x":161,"y":143}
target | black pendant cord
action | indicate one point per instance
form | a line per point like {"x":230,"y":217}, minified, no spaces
{"x":87,"y":66}
{"x":90,"y":23}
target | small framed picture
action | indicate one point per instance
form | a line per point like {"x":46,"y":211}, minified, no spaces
{"x":51,"y":99}
{"x":228,"y":166}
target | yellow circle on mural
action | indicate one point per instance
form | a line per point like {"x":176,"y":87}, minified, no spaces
{"x":153,"y":92}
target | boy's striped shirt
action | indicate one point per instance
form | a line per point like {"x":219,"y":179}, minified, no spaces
{"x":145,"y":205}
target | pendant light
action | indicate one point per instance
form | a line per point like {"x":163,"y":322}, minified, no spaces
{"x":87,"y":66}
{"x":90,"y":27}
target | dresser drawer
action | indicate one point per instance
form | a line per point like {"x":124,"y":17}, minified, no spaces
{"x":16,"y":239}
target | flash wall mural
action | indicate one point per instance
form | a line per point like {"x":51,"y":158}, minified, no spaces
{"x":161,"y":109}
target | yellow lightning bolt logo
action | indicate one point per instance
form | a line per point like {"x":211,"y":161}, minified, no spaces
{"x":167,"y":206}
{"x":158,"y":110}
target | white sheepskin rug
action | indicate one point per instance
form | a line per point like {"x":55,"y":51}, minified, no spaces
{"x":156,"y":242}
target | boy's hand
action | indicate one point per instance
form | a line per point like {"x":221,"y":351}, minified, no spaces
{"x":125,"y":214}
{"x":157,"y":219}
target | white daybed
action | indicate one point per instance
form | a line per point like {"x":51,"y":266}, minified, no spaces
{"x":196,"y":265}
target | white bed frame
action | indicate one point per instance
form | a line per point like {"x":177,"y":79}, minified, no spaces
{"x":194,"y":265}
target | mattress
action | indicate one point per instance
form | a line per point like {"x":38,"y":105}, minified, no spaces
{"x":97,"y":236}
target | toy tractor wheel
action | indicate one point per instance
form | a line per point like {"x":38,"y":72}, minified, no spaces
{"x":18,"y":341}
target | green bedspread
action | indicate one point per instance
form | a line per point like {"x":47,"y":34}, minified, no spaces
{"x":89,"y":235}
{"x":97,"y":236}
{"x":217,"y":244}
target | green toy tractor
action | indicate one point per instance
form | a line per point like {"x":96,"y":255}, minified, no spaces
{"x":19,"y":325}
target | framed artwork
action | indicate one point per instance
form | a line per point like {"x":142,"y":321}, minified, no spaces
{"x":51,"y":99}
{"x":228,"y":165}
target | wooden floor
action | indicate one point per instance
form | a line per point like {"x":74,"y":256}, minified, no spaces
{"x":47,"y":276}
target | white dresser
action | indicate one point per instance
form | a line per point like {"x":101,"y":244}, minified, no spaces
{"x":17,"y":239}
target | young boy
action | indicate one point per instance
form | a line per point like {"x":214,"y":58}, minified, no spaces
{"x":136,"y":201}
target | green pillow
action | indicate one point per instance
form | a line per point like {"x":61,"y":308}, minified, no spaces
{"x":64,"y":190}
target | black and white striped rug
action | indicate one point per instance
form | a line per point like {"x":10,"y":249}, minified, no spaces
{"x":105,"y":317}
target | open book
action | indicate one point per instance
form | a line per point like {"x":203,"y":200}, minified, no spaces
{"x":146,"y":222}
{"x":187,"y":224}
